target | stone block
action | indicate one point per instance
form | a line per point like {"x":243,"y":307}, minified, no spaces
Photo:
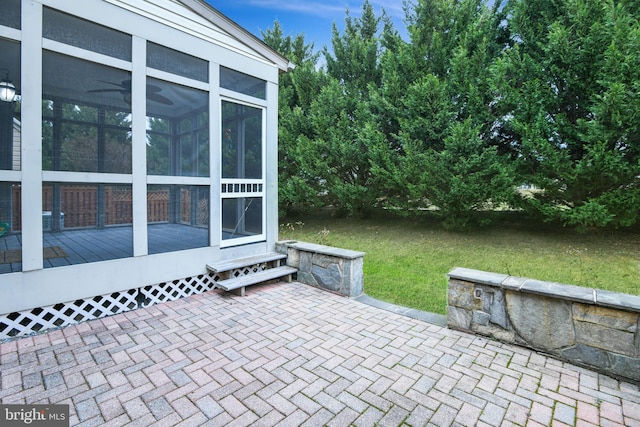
{"x":608,"y":317}
{"x":585,"y":355}
{"x":306,"y":261}
{"x":324,"y":261}
{"x":329,"y":277}
{"x":458,"y":318}
{"x":480,"y":318}
{"x":543,"y":323}
{"x":460,"y":294}
{"x":498,"y":310}
{"x":495,"y":332}
{"x":293,"y":258}
{"x":483,"y":298}
{"x":605,"y":338}
{"x":307,"y":277}
{"x":479,"y":298}
{"x":623,"y":366}
{"x":353,"y":277}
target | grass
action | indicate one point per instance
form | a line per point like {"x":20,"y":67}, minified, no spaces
{"x":406,"y":261}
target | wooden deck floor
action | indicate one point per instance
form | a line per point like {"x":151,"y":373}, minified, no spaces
{"x":92,"y":245}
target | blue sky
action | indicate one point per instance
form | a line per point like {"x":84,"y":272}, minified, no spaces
{"x":312,"y":18}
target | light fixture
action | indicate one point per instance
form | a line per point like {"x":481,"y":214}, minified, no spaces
{"x":7,"y":89}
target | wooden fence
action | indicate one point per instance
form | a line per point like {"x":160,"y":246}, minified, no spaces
{"x":158,"y":205}
{"x":79,"y":203}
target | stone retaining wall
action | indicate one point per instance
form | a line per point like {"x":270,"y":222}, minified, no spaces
{"x":334,"y":269}
{"x":588,"y":327}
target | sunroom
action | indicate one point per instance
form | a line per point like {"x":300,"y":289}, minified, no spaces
{"x":138,"y":143}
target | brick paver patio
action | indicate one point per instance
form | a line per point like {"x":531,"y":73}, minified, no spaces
{"x":290,"y":355}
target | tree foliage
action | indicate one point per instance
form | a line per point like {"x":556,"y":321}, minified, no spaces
{"x":298,"y":90}
{"x":569,"y":87}
{"x":477,"y":99}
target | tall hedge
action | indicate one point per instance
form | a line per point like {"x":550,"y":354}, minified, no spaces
{"x":476,"y":99}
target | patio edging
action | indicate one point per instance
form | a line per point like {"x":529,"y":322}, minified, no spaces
{"x":425,"y":316}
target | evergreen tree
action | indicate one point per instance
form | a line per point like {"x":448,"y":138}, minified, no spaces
{"x":444,"y":115}
{"x":336,"y":158}
{"x":298,"y":90}
{"x":568,"y":98}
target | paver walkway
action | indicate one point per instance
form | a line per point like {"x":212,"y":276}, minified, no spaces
{"x":290,"y":355}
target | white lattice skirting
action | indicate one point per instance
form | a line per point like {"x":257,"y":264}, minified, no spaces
{"x":40,"y":319}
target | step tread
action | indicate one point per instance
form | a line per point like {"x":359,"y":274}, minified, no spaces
{"x":255,"y":278}
{"x":217,"y":267}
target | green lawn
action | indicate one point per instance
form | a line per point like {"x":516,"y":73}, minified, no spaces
{"x":406,"y":261}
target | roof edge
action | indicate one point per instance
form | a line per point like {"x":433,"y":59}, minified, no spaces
{"x":216,"y":17}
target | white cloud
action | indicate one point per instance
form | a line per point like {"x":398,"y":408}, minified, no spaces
{"x":329,"y":8}
{"x":323,"y":9}
{"x":393,"y":8}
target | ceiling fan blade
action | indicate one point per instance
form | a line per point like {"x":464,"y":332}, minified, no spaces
{"x":153,"y":88}
{"x":125,"y":89}
{"x":159,"y":98}
{"x":104,"y":90}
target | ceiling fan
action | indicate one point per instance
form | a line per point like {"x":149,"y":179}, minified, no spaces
{"x":124,"y":88}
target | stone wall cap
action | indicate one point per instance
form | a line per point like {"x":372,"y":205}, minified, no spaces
{"x":569,"y":292}
{"x":552,"y":289}
{"x":325,"y":250}
{"x":514,"y":283}
{"x":618,"y":300}
{"x":478,"y":276}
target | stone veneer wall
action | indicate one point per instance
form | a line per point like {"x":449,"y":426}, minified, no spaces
{"x":334,"y":269}
{"x":588,"y":327}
